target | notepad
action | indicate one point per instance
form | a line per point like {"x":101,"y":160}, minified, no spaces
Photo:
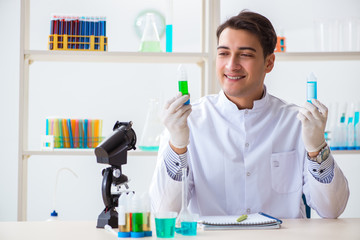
{"x":253,"y":221}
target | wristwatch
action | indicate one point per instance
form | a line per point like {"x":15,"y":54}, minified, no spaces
{"x":322,"y":156}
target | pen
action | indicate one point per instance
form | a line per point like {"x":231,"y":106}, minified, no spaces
{"x":68,"y":121}
{"x":266,"y":215}
{"x":241,"y":218}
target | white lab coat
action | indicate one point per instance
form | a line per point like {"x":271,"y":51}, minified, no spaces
{"x":246,"y":161}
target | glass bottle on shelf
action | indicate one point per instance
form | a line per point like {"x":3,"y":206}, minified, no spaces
{"x":150,"y":41}
{"x":150,"y":137}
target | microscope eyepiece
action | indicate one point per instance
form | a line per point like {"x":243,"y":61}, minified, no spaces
{"x":113,"y":150}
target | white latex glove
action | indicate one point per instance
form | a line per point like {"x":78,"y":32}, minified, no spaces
{"x":174,"y":117}
{"x":313,"y":118}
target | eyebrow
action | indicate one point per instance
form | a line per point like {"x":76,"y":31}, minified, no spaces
{"x":240,"y":48}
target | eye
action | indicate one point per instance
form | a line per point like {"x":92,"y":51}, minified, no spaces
{"x":246,"y":55}
{"x":222,"y":53}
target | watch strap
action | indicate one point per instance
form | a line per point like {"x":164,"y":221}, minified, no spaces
{"x":322,"y":156}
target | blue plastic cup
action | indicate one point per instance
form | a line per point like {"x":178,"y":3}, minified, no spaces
{"x":165,"y":224}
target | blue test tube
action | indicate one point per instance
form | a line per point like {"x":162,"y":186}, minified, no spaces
{"x":68,"y":30}
{"x":104,"y":26}
{"x":87,"y":32}
{"x":92,"y":26}
{"x":102,"y":29}
{"x":169,"y":27}
{"x":105,"y":41}
{"x":97,"y":32}
{"x":82,"y":26}
{"x":311,"y":87}
{"x":52,"y":31}
{"x":72,"y":32}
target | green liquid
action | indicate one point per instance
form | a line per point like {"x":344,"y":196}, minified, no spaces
{"x":183,"y":87}
{"x":165,"y":227}
{"x":149,"y":148}
{"x":150,"y":46}
{"x":137,"y":222}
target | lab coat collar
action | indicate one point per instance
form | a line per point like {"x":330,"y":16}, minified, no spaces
{"x":258,"y":104}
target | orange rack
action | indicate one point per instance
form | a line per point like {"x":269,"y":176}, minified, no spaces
{"x":77,"y":42}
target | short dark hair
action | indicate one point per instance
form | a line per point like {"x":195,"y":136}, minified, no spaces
{"x":256,"y":24}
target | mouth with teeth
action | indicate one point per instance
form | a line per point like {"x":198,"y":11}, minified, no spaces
{"x":234,"y":78}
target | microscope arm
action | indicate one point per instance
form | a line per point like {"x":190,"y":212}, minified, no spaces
{"x":110,"y":178}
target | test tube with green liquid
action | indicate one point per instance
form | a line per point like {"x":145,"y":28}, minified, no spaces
{"x":137,"y":221}
{"x":136,"y":217}
{"x":183,"y":83}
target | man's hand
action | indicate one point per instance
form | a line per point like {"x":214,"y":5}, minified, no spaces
{"x":174,"y":117}
{"x":313,"y":118}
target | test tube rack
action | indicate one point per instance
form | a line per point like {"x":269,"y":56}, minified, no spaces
{"x":72,"y":133}
{"x":280,"y":44}
{"x":77,"y":42}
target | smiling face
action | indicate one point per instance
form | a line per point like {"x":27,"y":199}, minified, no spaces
{"x":241,"y":66}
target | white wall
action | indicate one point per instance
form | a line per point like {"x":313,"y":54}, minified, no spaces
{"x":80,"y":199}
{"x":9,"y":82}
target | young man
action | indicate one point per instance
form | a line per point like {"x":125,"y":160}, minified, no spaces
{"x":246,"y":150}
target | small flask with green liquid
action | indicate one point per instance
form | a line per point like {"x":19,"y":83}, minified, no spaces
{"x":150,"y":41}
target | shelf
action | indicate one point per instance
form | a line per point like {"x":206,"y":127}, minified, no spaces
{"x":339,"y":152}
{"x":163,"y":57}
{"x":80,"y":152}
{"x":121,"y":57}
{"x":316,"y":56}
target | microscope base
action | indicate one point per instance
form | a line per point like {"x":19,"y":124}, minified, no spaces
{"x":110,"y":218}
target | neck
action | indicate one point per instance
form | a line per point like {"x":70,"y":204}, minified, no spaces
{"x":245,"y":102}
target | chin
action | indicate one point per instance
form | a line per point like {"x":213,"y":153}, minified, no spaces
{"x":232,"y":92}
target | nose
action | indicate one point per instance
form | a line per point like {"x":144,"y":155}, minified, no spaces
{"x":233,"y":64}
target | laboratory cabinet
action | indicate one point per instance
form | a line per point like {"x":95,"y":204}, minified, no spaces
{"x":115,"y":85}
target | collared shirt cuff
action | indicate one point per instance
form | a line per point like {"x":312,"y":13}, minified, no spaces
{"x":323,"y":172}
{"x":175,"y":163}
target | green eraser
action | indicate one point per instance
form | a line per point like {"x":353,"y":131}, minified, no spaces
{"x":241,"y":218}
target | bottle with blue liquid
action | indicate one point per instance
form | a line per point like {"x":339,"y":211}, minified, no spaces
{"x":311,"y":87}
{"x":169,"y":27}
{"x":357,"y":126}
{"x":350,"y":134}
{"x":343,"y":132}
{"x":186,"y":223}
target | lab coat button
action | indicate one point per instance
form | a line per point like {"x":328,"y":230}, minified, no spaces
{"x":246,"y":111}
{"x":276,"y":163}
{"x":248,"y":211}
{"x":248,"y":174}
{"x":246,"y":144}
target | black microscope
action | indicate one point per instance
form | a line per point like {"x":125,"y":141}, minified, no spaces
{"x":113,"y":151}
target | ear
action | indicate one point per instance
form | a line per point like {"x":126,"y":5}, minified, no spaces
{"x":269,"y":62}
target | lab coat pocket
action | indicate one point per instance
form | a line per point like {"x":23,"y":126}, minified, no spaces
{"x":285,"y":172}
